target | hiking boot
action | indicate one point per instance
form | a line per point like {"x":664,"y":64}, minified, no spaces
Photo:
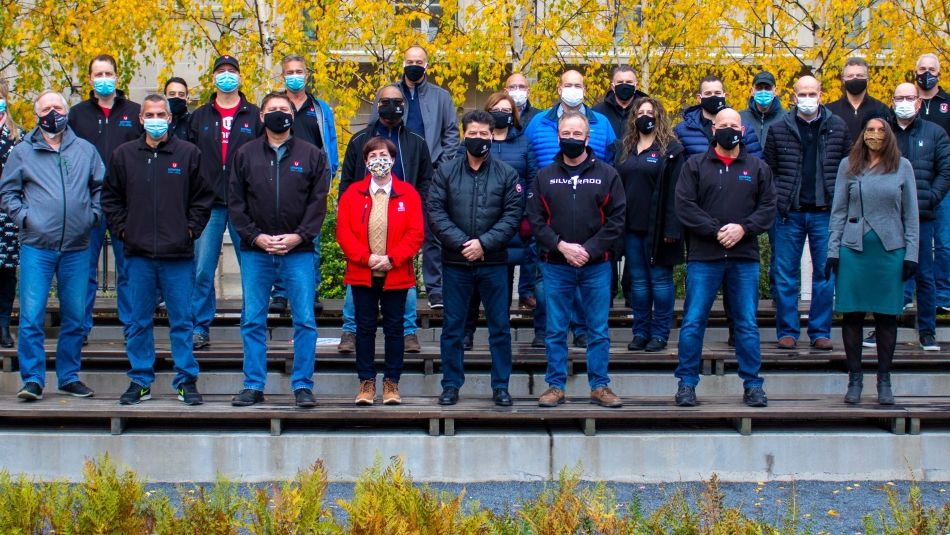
{"x":604,"y":397}
{"x":391,"y":392}
{"x":367,"y":393}
{"x":347,"y":343}
{"x":552,"y":397}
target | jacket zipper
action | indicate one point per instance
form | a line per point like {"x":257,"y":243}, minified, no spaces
{"x":722,"y":196}
{"x":475,"y":197}
{"x":154,"y":181}
{"x":62,"y":181}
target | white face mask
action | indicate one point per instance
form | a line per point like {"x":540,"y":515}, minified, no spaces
{"x":808,"y":105}
{"x":572,"y":97}
{"x":520,"y":96}
{"x":905,"y":110}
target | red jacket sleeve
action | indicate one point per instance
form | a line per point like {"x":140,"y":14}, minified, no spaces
{"x":347,"y":222}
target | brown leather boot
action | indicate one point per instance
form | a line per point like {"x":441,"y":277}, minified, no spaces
{"x":367,"y":393}
{"x":551,"y":397}
{"x":604,"y":397}
{"x":391,"y":392}
{"x":347,"y":343}
{"x":412,"y":344}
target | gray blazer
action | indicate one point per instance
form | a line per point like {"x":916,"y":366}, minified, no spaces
{"x":886,"y":203}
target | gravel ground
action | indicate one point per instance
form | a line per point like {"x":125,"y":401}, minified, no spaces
{"x":829,"y":507}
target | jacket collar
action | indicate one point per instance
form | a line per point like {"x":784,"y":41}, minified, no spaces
{"x":119,"y":96}
{"x":398,"y":187}
{"x":166,"y":146}
{"x":38,"y":140}
{"x":611,"y":99}
{"x":711,"y":153}
{"x":771,"y":111}
{"x":242,"y":104}
{"x":791,"y":118}
{"x":585,"y":165}
{"x":551,"y":113}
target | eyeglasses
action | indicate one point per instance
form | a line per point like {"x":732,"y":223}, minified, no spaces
{"x":905,"y":99}
{"x":395,"y":101}
{"x":515,"y":87}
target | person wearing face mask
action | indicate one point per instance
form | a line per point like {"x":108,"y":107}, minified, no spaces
{"x":804,"y":150}
{"x":277,"y":201}
{"x":10,"y":135}
{"x":106,"y":119}
{"x":475,"y":209}
{"x":872,"y":249}
{"x":725,"y":199}
{"x":856,"y":105}
{"x":616,"y":104}
{"x":765,"y":109}
{"x":517,"y":88}
{"x":55,"y":207}
{"x":176,"y":91}
{"x":926,"y":146}
{"x":219,"y":128}
{"x":577,"y":212}
{"x":649,"y":163}
{"x":156,"y":201}
{"x":411,"y":164}
{"x":380,"y":230}
{"x":695,"y":130}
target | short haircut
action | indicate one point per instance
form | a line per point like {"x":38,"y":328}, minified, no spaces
{"x":103,"y":57}
{"x":855,"y":61}
{"x":175,"y":80}
{"x":376,"y":143}
{"x":572,"y":114}
{"x":928,"y":55}
{"x":621,"y":68}
{"x":274,"y":95}
{"x":155,"y":97}
{"x":495,"y":98}
{"x":708,"y":79}
{"x":394,"y":86}
{"x":293,"y":57}
{"x":477,"y":116}
{"x":47,"y":92}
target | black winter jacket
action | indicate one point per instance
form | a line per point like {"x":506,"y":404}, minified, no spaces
{"x":123,"y":125}
{"x":181,"y":126}
{"x":614,"y":113}
{"x":155,"y":199}
{"x":783,"y":153}
{"x":278,"y":196}
{"x":927,"y":147}
{"x":206,"y":134}
{"x":590,"y":212}
{"x":487,"y":207}
{"x":710,"y":195}
{"x":413,"y":156}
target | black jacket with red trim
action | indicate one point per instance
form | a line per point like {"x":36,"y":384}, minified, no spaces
{"x":589,"y":209}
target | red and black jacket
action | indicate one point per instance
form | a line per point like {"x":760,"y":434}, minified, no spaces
{"x":89,"y":122}
{"x":590,"y":211}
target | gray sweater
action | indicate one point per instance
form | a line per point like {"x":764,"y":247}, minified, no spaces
{"x":885,"y":203}
{"x":53,"y":196}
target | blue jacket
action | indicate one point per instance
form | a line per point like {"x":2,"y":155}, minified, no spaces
{"x":542,"y":132}
{"x":693,"y":136}
{"x":329,"y":137}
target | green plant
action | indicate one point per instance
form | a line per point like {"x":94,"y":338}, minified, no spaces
{"x":332,"y":261}
{"x":293,"y":508}
{"x":214,"y":512}
{"x":912,"y":518}
{"x":21,"y":505}
{"x":109,"y":502}
{"x":558,"y":509}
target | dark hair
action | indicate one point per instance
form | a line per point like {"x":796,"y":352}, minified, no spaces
{"x":708,"y":79}
{"x":856,"y":62}
{"x":376,"y":143}
{"x":273,"y":95}
{"x":493,"y":101}
{"x":621,"y":68}
{"x":477,"y":116}
{"x":103,"y":57}
{"x":175,"y":80}
{"x":664,"y":128}
{"x":860,"y":156}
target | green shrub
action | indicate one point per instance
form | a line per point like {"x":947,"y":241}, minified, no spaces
{"x":21,"y":505}
{"x":332,"y":261}
{"x":911,"y":518}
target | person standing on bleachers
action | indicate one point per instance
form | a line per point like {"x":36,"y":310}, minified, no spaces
{"x":277,"y":200}
{"x":157,"y":203}
{"x":55,"y":206}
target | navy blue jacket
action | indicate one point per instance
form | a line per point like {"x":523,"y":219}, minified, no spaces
{"x":693,"y":136}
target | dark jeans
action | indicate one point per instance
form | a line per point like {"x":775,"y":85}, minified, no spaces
{"x":471,"y":321}
{"x":369,"y":301}
{"x":924,"y":282}
{"x":459,"y":284}
{"x":7,"y":294}
{"x":885,"y":331}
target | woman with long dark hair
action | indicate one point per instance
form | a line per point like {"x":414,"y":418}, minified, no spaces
{"x":872,"y":247}
{"x":10,"y":135}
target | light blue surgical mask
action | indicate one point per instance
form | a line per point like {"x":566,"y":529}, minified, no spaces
{"x":226,"y":81}
{"x":156,"y":128}
{"x":295,"y":82}
{"x":764,"y":98}
{"x":104,"y":86}
{"x":3,"y":106}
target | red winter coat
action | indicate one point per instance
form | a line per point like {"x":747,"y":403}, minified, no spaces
{"x":403,"y":237}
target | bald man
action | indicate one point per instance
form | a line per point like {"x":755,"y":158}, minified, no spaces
{"x":518,"y":89}
{"x":725,"y":199}
{"x":804,"y":151}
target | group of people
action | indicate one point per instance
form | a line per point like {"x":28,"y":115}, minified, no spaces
{"x":583,"y":198}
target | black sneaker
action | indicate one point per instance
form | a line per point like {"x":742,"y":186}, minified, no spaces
{"x":31,"y":392}
{"x":943,"y":310}
{"x":317,"y":306}
{"x":200,"y":341}
{"x":655,"y":345}
{"x":77,"y":389}
{"x":135,"y":394}
{"x":247,"y":397}
{"x":870,"y":341}
{"x":686,"y":396}
{"x":278,"y":305}
{"x":537,"y":342}
{"x":188,"y":393}
{"x":468,"y":342}
{"x":435,"y":301}
{"x":580,"y":341}
{"x":639,"y":343}
{"x":929,"y":343}
{"x":731,"y":341}
{"x":303,"y":397}
{"x":755,"y":397}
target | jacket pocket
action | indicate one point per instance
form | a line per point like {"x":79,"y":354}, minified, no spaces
{"x":852,"y":233}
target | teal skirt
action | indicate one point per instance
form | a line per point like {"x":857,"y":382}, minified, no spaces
{"x":870,"y":280}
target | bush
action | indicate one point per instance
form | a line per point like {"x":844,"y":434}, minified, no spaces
{"x":332,"y":261}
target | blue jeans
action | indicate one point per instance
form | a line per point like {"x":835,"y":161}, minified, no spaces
{"x":37,"y":269}
{"x":563,"y":284}
{"x":176,"y":278}
{"x":942,"y":254}
{"x":259,"y":270}
{"x":279,"y":291}
{"x":652,"y":290}
{"x":924,"y":282}
{"x":703,"y":279}
{"x":96,"y":238}
{"x":207,"y":251}
{"x":790,"y":232}
{"x":408,"y":319}
{"x":458,"y":284}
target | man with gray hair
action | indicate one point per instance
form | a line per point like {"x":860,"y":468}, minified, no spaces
{"x":50,"y":188}
{"x":158,"y":204}
{"x":855,"y":104}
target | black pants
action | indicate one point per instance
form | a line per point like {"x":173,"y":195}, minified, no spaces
{"x":7,"y":294}
{"x":369,"y":301}
{"x":471,"y":320}
{"x":885,"y":331}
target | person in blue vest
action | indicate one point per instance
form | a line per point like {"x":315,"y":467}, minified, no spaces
{"x":314,"y":124}
{"x":695,"y":130}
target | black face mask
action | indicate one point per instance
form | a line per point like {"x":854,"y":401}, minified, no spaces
{"x":53,"y":122}
{"x":927,"y":81}
{"x":572,"y":148}
{"x":477,"y":146}
{"x":856,"y":86}
{"x":391,"y":111}
{"x":728,"y":138}
{"x":278,"y":122}
{"x":414,"y":73}
{"x":625,"y":91}
{"x":178,"y":106}
{"x":713,"y":104}
{"x":645,"y":124}
{"x":502,"y":119}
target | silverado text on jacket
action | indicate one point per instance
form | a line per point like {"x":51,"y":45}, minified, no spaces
{"x":206,"y":134}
